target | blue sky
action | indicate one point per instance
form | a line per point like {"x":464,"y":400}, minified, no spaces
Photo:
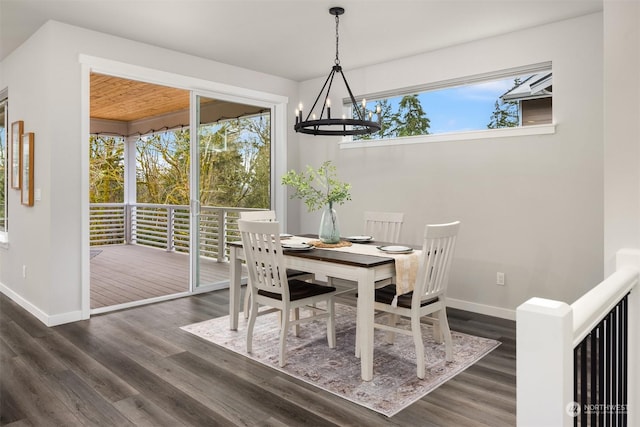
{"x":462,"y":108}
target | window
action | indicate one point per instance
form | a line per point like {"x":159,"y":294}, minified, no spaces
{"x":4,"y":115}
{"x":508,"y":99}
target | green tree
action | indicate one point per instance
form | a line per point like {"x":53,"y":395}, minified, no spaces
{"x":235,"y":169}
{"x":106,"y":169}
{"x":387,"y":118}
{"x":3,"y":167}
{"x":411,"y":118}
{"x":505,"y":114}
{"x":258,"y":164}
{"x":235,"y":163}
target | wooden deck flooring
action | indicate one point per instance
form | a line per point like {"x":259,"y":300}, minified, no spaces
{"x":126,"y":273}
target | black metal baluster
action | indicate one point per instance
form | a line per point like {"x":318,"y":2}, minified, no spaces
{"x":584,"y":401}
{"x":622,"y":413}
{"x":600,"y":384}
{"x":576,"y":380}
{"x":612,"y":368}
{"x":594,"y":372}
{"x":601,"y":369}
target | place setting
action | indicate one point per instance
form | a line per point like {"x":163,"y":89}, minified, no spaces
{"x":297,"y":246}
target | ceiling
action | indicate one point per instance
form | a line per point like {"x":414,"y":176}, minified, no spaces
{"x":294,"y":38}
{"x":113,"y":98}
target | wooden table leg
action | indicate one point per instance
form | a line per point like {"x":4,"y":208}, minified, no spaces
{"x":366,"y":290}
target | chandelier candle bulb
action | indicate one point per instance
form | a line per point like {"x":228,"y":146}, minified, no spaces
{"x":328,"y":108}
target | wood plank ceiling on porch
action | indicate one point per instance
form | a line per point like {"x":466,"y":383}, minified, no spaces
{"x":123,"y":100}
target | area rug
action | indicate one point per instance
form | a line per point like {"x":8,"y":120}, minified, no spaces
{"x":395,"y":384}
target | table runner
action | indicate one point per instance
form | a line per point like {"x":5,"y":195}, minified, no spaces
{"x":406,"y":264}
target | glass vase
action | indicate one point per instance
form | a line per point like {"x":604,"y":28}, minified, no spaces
{"x":329,"y":229}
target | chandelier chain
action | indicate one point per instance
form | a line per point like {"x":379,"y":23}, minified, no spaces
{"x":337,"y":60}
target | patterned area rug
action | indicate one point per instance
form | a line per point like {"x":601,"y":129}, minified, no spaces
{"x":395,"y":384}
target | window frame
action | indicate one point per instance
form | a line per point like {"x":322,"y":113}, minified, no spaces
{"x":4,"y":228}
{"x":542,"y":129}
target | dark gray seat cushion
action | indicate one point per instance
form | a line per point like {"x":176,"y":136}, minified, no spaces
{"x":385,"y":295}
{"x":299,"y":290}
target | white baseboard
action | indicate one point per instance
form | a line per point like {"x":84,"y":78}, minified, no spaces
{"x":489,"y":310}
{"x":48,"y":320}
{"x":74,"y":316}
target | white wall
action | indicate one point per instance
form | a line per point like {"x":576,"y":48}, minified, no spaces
{"x":621,"y":128}
{"x":44,"y":80}
{"x":531,"y":207}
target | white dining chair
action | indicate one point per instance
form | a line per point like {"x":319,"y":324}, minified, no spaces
{"x":383,"y":226}
{"x":270,"y":285}
{"x":268,"y":216}
{"x":428,"y":296}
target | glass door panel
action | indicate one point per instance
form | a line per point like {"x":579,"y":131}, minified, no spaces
{"x":233,"y":172}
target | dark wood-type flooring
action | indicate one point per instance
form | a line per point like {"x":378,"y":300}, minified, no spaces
{"x":136,"y":367}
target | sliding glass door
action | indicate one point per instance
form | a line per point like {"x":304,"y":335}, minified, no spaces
{"x":231,"y":172}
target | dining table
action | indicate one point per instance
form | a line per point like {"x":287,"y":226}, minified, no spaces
{"x":363,"y":270}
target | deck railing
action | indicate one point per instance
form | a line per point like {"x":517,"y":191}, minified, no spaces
{"x":164,"y":226}
{"x":572,"y":359}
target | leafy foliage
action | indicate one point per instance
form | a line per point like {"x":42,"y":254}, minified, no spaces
{"x":235,"y":167}
{"x":318,"y":187}
{"x":3,"y":167}
{"x":505,"y":114}
{"x":106,"y":169}
{"x":411,"y":118}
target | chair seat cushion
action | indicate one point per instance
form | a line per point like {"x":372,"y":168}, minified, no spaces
{"x":299,"y":290}
{"x":385,"y":296}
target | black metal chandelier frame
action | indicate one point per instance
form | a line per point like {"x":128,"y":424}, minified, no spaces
{"x":336,"y":126}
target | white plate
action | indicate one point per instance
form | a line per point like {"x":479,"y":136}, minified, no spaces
{"x":285,"y":236}
{"x":296,"y":246}
{"x":359,"y":238}
{"x":396,"y":249}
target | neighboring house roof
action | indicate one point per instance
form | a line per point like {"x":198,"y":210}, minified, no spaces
{"x":536,"y":86}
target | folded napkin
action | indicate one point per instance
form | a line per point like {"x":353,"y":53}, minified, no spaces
{"x":406,"y":273}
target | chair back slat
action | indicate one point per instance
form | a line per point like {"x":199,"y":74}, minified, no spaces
{"x":437,"y":253}
{"x":383,"y":226}
{"x":263,"y":251}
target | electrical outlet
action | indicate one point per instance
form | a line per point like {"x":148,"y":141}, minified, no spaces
{"x":500,"y":279}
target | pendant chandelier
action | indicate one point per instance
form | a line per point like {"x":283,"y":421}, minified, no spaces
{"x":361,"y":122}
